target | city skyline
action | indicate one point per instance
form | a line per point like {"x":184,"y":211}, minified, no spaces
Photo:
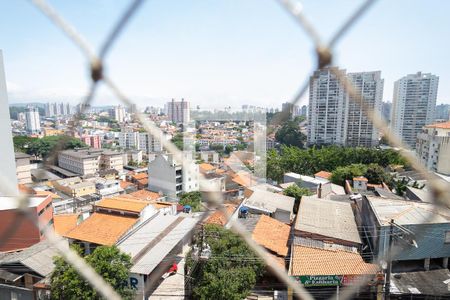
{"x":223,"y":53}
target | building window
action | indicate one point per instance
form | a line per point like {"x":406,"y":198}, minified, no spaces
{"x":447,"y":237}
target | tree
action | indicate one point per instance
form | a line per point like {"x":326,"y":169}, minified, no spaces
{"x":289,"y":134}
{"x":312,"y":160}
{"x":341,"y":174}
{"x":399,"y":186}
{"x":228,"y":149}
{"x":231,"y":271}
{"x":296,"y":192}
{"x":376,"y":174}
{"x":178,"y":141}
{"x":193,"y":199}
{"x":108,"y":261}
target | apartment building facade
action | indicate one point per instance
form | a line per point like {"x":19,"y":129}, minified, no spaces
{"x":327,"y":107}
{"x":433,"y":147}
{"x":413,"y":105}
{"x":360,"y":131}
{"x":23,"y":168}
{"x":129,"y":139}
{"x":168,"y":176}
{"x":178,"y":111}
{"x":90,"y":161}
{"x":33,"y":121}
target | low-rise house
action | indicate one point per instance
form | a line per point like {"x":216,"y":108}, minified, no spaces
{"x":25,"y":233}
{"x":430,"y":223}
{"x":305,"y":181}
{"x":274,"y":236}
{"x":107,"y":187}
{"x":320,"y":264}
{"x":323,"y":175}
{"x":162,"y":238}
{"x":327,"y":220}
{"x":111,"y":219}
{"x":74,"y":187}
{"x":275,"y":205}
{"x":360,"y":183}
{"x":27,"y":268}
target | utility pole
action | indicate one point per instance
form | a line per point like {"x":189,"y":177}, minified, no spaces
{"x":387,"y":288}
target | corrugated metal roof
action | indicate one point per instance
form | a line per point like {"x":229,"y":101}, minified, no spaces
{"x":327,"y":218}
{"x":149,"y":233}
{"x":38,"y":257}
{"x":270,"y":201}
{"x":408,"y":212}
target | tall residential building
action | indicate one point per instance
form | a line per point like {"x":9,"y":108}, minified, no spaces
{"x":433,"y":147}
{"x":413,"y":105}
{"x":442,"y":112}
{"x":7,"y":161}
{"x":386,"y":111}
{"x":178,"y":111}
{"x":118,"y":113}
{"x":144,"y":141}
{"x":33,"y":120}
{"x":49,"y":109}
{"x":360,"y":132}
{"x":326,"y":115}
{"x":304,"y":111}
{"x":294,"y":110}
{"x":93,"y":141}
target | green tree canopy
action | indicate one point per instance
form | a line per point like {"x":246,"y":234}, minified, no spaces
{"x":44,"y":146}
{"x":312,"y":160}
{"x":177,"y":139}
{"x":109,"y":262}
{"x":231,"y":271}
{"x":296,"y":192}
{"x":341,"y":174}
{"x":289,"y":134}
{"x":194,"y":199}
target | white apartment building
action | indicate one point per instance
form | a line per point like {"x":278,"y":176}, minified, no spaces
{"x":90,"y":161}
{"x":117,"y":113}
{"x":413,"y":105}
{"x":144,"y":141}
{"x":433,"y":147}
{"x":23,"y":168}
{"x":326,"y":115}
{"x":178,"y":111}
{"x":168,"y":176}
{"x":33,"y":123}
{"x":359,"y":130}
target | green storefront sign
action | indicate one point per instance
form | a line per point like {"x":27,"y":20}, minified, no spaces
{"x":320,"y":280}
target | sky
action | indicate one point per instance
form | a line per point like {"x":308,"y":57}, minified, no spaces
{"x":217,"y":53}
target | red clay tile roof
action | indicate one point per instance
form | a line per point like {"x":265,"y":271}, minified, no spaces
{"x":123,"y":204}
{"x":218,"y":217}
{"x":102,"y":229}
{"x":46,"y":193}
{"x":272,"y":234}
{"x":125,"y":184}
{"x":443,"y":125}
{"x":25,"y":189}
{"x":139,"y":176}
{"x":143,"y":181}
{"x":323,"y":174}
{"x":316,"y":261}
{"x":65,"y":223}
{"x":204,"y":167}
{"x":361,"y":178}
{"x":145,"y":195}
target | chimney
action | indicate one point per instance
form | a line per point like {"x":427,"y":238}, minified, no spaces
{"x":319,"y":191}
